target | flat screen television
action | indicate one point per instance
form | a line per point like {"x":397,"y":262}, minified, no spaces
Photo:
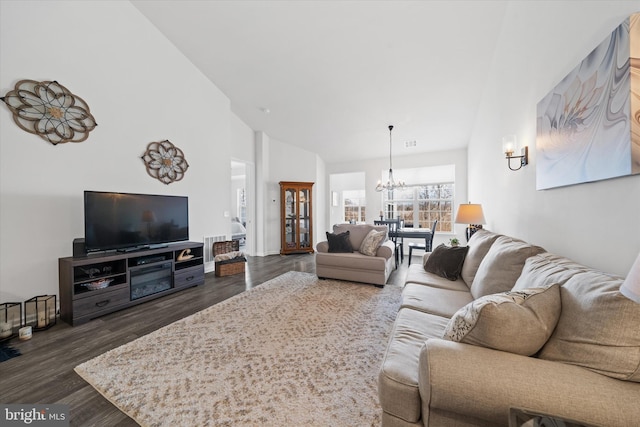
{"x":125,"y":221}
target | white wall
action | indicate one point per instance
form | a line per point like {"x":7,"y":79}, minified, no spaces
{"x":595,"y":223}
{"x":138,"y":87}
{"x":275,"y":162}
{"x":242,"y":140}
{"x":289,"y":163}
{"x":340,"y":182}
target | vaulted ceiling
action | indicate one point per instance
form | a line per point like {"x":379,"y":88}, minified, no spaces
{"x":330,"y":76}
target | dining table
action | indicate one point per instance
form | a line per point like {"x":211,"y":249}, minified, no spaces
{"x":411,"y":233}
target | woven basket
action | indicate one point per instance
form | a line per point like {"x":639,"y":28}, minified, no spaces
{"x":230,"y":268}
{"x":225,"y":247}
{"x":227,"y":268}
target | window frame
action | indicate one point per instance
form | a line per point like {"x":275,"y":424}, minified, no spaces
{"x":423,"y":218}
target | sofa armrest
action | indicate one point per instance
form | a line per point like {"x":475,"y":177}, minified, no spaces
{"x":483,"y":383}
{"x":425,"y":257}
{"x":386,"y":250}
{"x":322,"y":247}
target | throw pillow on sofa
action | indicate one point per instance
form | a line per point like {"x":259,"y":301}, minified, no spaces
{"x":479,"y":244}
{"x":339,"y":242}
{"x":518,"y":322}
{"x":446,"y":261}
{"x":598,"y":327}
{"x":546,"y":269}
{"x":372,"y":242}
{"x":501,"y":267}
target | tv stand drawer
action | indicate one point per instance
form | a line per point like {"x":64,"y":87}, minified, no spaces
{"x":94,"y":306}
{"x":191,"y":276}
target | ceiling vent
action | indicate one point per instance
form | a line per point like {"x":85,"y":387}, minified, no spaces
{"x":409,"y":144}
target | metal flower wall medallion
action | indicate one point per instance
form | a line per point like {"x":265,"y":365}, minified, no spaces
{"x":165,"y":162}
{"x":49,"y":110}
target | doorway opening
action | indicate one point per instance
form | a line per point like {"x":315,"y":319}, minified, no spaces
{"x":242,"y":205}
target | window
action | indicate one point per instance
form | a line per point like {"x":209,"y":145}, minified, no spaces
{"x":419,"y":205}
{"x":354,"y":205}
{"x":435,"y":202}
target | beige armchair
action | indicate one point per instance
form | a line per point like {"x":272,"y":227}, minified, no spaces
{"x":355,"y":266}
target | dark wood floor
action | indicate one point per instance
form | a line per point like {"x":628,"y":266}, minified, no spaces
{"x":44,"y":373}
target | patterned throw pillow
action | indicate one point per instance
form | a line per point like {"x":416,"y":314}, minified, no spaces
{"x":518,"y":322}
{"x":339,"y":243}
{"x":372,"y":242}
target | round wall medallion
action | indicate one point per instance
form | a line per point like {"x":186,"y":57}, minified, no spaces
{"x":50,"y":110}
{"x":165,"y":161}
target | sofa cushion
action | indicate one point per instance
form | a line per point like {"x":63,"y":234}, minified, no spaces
{"x":353,"y":261}
{"x":372,"y":242}
{"x":502,"y":266}
{"x":546,"y":269}
{"x":518,"y":322}
{"x":339,"y":243}
{"x":417,"y":274}
{"x":479,"y":244}
{"x":398,"y":377}
{"x":437,"y":301}
{"x":446,"y":261}
{"x":598,"y":328}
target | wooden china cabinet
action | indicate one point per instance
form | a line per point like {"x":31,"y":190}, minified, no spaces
{"x":296,"y":223}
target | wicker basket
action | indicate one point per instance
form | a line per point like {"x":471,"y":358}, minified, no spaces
{"x":225,"y":247}
{"x":230,"y":268}
{"x":227,"y":268}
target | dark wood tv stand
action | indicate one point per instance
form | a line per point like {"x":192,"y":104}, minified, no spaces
{"x":102,"y":283}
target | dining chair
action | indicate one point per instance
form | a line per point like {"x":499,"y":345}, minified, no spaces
{"x":428,"y":242}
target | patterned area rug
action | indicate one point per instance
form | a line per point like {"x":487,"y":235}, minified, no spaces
{"x":294,"y":351}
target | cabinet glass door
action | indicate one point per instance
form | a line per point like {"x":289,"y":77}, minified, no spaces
{"x":304,"y":218}
{"x":291,"y":217}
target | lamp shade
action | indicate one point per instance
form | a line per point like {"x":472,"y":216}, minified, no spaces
{"x":470,"y":213}
{"x":631,"y":286}
{"x":148,"y":216}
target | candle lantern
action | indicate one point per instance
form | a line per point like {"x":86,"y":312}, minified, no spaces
{"x":10,"y":320}
{"x":40,"y":312}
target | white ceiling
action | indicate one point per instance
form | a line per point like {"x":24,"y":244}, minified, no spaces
{"x":335,"y":74}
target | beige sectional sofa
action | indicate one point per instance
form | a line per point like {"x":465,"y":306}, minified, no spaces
{"x":355,"y":266}
{"x":563,"y":342}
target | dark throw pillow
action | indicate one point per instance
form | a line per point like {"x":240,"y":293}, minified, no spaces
{"x":446,"y":262}
{"x":339,"y":242}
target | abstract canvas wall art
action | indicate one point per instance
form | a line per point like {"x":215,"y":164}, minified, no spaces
{"x":588,"y":126}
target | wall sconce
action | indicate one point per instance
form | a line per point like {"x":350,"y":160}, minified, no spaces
{"x":509,"y":146}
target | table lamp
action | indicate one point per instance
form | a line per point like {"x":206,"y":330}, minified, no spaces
{"x":471,"y":214}
{"x":631,"y":286}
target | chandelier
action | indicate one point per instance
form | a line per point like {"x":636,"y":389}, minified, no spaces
{"x":391,"y":183}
